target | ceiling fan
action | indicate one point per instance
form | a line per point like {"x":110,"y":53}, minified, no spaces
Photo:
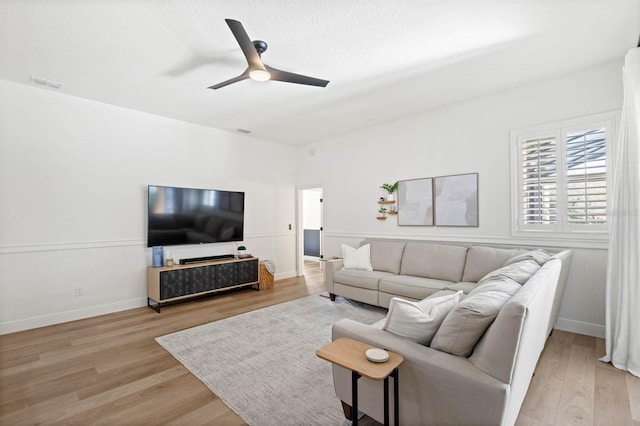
{"x":258,"y":70}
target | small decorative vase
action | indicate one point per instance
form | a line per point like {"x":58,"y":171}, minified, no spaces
{"x":157,"y":257}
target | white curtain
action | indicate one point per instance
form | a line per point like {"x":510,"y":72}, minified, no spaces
{"x":623,"y":267}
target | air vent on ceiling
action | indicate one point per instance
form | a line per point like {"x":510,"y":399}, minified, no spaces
{"x":46,"y":83}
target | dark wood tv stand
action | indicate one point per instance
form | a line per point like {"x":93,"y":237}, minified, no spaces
{"x":170,"y":284}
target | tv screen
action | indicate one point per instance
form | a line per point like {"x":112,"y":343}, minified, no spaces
{"x":179,"y":216}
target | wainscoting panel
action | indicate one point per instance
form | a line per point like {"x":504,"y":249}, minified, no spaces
{"x":40,"y":288}
{"x":583,"y":305}
{"x":45,"y":284}
{"x":312,"y":242}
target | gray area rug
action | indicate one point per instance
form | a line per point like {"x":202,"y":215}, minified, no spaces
{"x":263,"y":364}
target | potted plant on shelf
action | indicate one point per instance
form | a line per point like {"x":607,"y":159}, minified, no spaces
{"x":390,"y":188}
{"x":382,"y":213}
{"x":242,"y":250}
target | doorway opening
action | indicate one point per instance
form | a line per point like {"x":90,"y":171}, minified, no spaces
{"x":310,"y":230}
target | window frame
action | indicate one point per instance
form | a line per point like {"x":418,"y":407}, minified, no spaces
{"x":562,"y":229}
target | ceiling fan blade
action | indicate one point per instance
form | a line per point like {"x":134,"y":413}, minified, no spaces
{"x":243,"y":76}
{"x":249,"y":50}
{"x":290,"y":77}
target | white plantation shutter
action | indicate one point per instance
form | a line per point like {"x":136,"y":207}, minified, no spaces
{"x":539,"y":187}
{"x":560,"y":177}
{"x":586,"y":170}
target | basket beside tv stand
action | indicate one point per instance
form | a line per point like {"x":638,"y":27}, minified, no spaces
{"x":171,"y":284}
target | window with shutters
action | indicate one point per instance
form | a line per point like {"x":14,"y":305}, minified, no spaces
{"x":559,"y":177}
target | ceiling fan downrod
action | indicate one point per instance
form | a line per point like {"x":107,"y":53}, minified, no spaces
{"x":261,"y":46}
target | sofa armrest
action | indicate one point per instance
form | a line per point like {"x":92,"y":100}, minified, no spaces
{"x":435,"y":387}
{"x":565,"y":257}
{"x":330,"y":267}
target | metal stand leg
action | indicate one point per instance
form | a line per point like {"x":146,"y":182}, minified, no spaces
{"x":386,"y":401}
{"x":396,"y":397}
{"x":354,"y":396}
{"x":155,"y":308}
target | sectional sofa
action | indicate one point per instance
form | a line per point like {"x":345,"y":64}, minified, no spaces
{"x":450,"y":378}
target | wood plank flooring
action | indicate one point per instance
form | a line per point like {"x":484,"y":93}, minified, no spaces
{"x":109,"y":370}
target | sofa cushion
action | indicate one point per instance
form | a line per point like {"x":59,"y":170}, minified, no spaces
{"x":387,"y":255}
{"x":419,"y":321}
{"x":467,"y":322}
{"x":364,"y":295}
{"x":413,"y":287}
{"x":379,"y":324}
{"x":482,"y":260}
{"x":358,"y":278}
{"x":522,"y":317}
{"x":359,"y":258}
{"x":519,"y":272}
{"x":539,"y":256}
{"x":437,"y":261}
{"x":466,"y":287}
{"x":385,"y":298}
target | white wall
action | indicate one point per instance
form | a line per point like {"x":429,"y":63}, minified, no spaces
{"x":312,"y":212}
{"x":73,"y":200}
{"x":73,"y":175}
{"x":468,"y":137}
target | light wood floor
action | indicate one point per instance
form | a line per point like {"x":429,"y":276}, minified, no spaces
{"x":109,"y":370}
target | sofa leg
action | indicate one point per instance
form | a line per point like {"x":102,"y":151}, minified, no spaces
{"x":348,"y":411}
{"x":332,"y":297}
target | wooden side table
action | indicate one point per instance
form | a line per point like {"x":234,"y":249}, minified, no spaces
{"x":350,"y":354}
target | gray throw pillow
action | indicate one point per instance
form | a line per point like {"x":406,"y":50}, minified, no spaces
{"x":539,"y":256}
{"x":463,"y":327}
{"x":519,"y":272}
{"x":482,"y":260}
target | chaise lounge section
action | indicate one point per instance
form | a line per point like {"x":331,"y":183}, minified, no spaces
{"x":487,"y":382}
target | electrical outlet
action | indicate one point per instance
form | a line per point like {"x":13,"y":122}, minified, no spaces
{"x":79,"y":291}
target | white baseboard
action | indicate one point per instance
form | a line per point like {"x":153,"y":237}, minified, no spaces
{"x":588,"y":329}
{"x":78,"y":314}
{"x":61,"y":317}
{"x":285,"y":275}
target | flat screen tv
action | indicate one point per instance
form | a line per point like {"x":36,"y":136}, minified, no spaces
{"x":178,"y":216}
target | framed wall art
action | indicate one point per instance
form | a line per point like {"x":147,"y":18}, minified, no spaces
{"x":456,"y":200}
{"x":415,"y":202}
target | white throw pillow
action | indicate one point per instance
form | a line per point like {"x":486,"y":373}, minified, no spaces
{"x":357,"y":258}
{"x":419,"y":321}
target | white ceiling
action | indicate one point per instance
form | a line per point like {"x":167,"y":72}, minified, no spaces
{"x":385,"y":59}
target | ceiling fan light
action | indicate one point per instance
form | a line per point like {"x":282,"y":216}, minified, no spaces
{"x":259,"y":75}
